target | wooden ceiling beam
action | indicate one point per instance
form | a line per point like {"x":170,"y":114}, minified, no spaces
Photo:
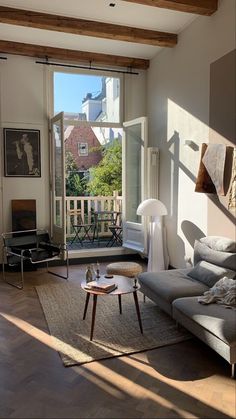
{"x":201,"y":7}
{"x":39,"y":51}
{"x":86,"y":27}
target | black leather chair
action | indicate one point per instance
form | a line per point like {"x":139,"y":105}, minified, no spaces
{"x":30,"y":247}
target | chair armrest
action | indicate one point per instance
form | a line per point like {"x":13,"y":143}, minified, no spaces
{"x":18,"y":251}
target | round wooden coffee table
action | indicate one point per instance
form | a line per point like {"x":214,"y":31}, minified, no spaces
{"x":124,"y":286}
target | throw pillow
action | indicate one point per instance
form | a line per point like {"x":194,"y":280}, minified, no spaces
{"x":209,"y":274}
{"x":223,"y":244}
{"x":203,"y":252}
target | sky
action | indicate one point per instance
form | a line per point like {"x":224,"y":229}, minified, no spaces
{"x":70,"y":90}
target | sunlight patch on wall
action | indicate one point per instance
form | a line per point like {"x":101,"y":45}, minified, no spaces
{"x":186,"y":133}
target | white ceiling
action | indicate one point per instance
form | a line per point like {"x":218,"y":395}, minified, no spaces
{"x":124,"y":13}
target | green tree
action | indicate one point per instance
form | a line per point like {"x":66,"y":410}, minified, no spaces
{"x":106,"y":177}
{"x":74,"y":185}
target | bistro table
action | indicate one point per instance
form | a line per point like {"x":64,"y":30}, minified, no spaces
{"x":104,"y":217}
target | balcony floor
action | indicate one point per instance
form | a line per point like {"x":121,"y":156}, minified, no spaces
{"x":96,"y":244}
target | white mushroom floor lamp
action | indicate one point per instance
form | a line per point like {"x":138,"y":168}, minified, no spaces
{"x":155,"y":209}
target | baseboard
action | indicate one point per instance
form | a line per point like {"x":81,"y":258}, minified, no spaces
{"x":81,"y":261}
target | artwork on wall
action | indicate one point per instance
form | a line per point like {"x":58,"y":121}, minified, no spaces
{"x":22,"y":152}
{"x":23,"y":214}
{"x":204,"y":183}
{"x":214,"y":162}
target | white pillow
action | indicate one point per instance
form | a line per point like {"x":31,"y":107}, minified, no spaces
{"x":222,"y":244}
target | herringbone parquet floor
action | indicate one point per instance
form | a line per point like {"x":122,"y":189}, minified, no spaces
{"x":186,"y":380}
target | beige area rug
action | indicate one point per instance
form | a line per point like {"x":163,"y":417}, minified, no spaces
{"x":114,"y":334}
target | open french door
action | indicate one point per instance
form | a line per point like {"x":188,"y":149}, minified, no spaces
{"x":134,"y":180}
{"x":57,"y":149}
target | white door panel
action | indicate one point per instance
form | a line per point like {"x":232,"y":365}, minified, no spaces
{"x":58,"y":179}
{"x":133,"y":232}
{"x":134,"y":178}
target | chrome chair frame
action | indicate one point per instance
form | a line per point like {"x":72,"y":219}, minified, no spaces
{"x":17,"y":253}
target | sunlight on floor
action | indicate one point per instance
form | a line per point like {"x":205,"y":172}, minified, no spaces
{"x":105,"y":374}
{"x":114,"y":383}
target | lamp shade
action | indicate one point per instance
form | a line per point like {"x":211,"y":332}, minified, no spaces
{"x":151,"y":207}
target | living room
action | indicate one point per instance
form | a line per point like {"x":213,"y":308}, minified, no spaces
{"x":188,"y":95}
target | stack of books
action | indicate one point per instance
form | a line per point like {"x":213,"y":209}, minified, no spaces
{"x":100,"y":286}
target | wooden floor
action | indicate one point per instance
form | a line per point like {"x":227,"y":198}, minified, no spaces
{"x":186,"y":380}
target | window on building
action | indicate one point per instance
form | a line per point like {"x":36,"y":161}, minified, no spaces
{"x":83,"y":149}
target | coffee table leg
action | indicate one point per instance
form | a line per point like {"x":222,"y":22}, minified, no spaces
{"x":86,"y":305}
{"x":120,"y":306}
{"x":93,"y":315}
{"x":137,"y":310}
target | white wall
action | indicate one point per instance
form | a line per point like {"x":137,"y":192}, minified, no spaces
{"x":135,"y":93}
{"x":178,"y":110}
{"x":23,"y":104}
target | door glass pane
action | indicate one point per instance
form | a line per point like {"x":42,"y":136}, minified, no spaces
{"x":134,"y":144}
{"x":87,"y":98}
{"x":58,"y":186}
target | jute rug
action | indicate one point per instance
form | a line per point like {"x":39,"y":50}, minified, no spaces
{"x":114,"y":334}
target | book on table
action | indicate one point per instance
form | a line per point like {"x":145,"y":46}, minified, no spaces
{"x":100,"y":286}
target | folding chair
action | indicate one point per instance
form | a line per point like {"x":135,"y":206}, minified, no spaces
{"x":116,"y":230}
{"x":81,"y":230}
{"x":116,"y":237}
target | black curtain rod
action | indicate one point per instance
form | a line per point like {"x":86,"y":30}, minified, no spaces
{"x":86,"y":67}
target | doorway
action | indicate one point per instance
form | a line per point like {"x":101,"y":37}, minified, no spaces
{"x":86,"y":154}
{"x":83,"y":146}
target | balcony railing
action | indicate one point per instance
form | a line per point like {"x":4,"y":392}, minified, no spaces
{"x":87,"y":205}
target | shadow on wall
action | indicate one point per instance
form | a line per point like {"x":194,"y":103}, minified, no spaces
{"x":187,"y":109}
{"x":222,"y":108}
{"x":175,"y":165}
{"x":191,"y":232}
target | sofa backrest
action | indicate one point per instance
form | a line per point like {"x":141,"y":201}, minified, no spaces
{"x":203,"y":252}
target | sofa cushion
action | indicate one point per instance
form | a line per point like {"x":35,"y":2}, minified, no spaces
{"x":203,"y":252}
{"x":209,"y":274}
{"x":171,"y":284}
{"x":222,"y":244}
{"x":216,"y":319}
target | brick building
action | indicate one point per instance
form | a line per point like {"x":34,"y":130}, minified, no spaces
{"x":84,"y":145}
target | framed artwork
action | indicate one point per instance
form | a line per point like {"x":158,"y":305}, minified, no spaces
{"x":204,"y":183}
{"x":22,"y":152}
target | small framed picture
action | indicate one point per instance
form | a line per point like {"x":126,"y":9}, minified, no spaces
{"x":22,"y":152}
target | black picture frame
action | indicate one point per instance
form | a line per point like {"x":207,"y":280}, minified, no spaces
{"x":22,"y":156}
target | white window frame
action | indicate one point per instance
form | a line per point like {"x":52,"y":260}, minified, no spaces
{"x":83,"y":150}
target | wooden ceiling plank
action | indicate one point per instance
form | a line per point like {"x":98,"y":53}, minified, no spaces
{"x":201,"y":7}
{"x":86,"y":27}
{"x":39,"y":51}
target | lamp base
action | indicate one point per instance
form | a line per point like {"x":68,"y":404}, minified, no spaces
{"x":156,"y":260}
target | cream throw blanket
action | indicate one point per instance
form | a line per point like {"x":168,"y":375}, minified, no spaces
{"x":223,"y":292}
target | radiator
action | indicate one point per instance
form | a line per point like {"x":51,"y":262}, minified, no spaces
{"x":153,"y":172}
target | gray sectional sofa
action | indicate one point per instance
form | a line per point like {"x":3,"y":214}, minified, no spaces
{"x":177,"y":292}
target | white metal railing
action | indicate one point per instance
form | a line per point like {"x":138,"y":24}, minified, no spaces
{"x":87,"y":205}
